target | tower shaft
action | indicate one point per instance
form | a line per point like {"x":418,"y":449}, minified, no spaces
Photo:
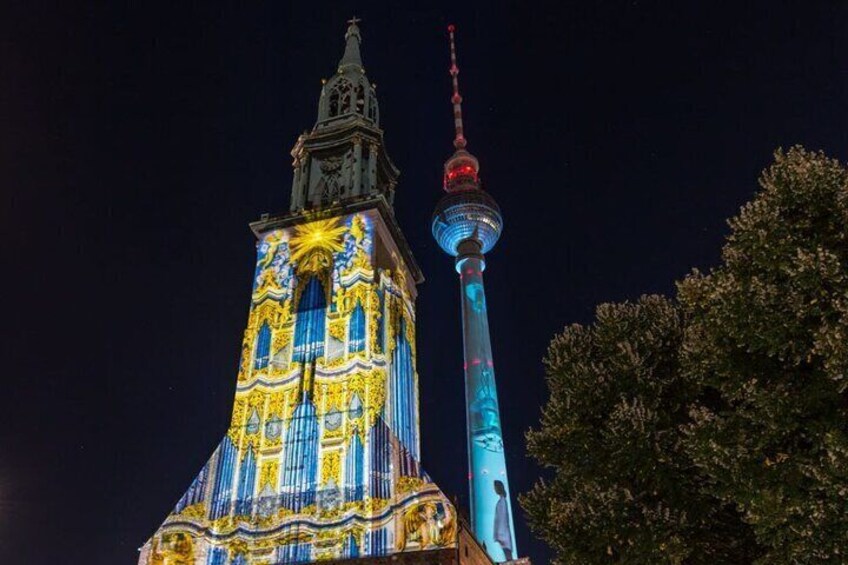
{"x":491,"y":515}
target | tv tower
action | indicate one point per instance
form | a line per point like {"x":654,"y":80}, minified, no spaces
{"x":467,"y":223}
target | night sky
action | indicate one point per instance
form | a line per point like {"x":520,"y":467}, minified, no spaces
{"x":137,"y":142}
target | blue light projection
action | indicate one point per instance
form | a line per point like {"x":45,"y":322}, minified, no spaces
{"x":490,"y":506}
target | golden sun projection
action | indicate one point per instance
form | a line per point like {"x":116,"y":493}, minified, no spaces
{"x":313,"y":242}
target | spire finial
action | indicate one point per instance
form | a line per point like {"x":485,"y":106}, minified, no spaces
{"x":352,"y":59}
{"x":459,"y":140}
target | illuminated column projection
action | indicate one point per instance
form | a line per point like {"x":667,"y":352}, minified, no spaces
{"x":467,"y":223}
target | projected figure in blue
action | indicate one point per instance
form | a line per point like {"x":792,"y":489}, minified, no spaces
{"x":502,"y":527}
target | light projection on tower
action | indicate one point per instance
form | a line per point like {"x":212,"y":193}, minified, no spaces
{"x":467,"y":223}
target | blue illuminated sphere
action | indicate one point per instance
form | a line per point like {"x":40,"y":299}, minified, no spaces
{"x":467,"y":214}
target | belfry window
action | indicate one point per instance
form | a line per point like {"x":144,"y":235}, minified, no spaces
{"x":372,"y":106}
{"x":339,"y":102}
{"x":360,"y":100}
{"x":334,"y":102}
{"x":345,"y":101}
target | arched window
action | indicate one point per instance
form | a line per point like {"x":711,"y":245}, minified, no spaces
{"x":309,"y":327}
{"x":262,"y":353}
{"x":356,"y":332}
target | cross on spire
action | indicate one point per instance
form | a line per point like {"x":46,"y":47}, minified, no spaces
{"x":352,"y":58}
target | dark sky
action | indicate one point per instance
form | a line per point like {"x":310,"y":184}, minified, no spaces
{"x":137,"y":142}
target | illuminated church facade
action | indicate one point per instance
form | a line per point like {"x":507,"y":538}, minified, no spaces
{"x":321,"y":459}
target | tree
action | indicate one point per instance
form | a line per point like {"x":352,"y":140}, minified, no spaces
{"x":624,"y":489}
{"x":768,"y":330}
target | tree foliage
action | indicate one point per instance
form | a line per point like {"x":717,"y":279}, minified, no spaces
{"x":712,"y":428}
{"x":624,"y":489}
{"x":768,"y":329}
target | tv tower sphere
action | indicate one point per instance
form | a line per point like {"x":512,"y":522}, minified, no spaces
{"x":468,"y":215}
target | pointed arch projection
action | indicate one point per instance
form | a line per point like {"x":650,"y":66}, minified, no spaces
{"x":402,"y":392}
{"x":380,"y":455}
{"x":300,"y":466}
{"x":246,"y":482}
{"x":351,"y":548}
{"x":356,"y":333}
{"x":253,"y":422}
{"x":262,"y":351}
{"x":224,"y":469}
{"x":354,"y":469}
{"x":311,"y":320}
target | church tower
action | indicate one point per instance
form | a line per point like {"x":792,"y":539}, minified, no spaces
{"x":467,"y":223}
{"x":321,"y":459}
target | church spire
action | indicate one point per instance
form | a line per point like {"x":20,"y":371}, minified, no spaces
{"x":352,"y":60}
{"x":343,"y":158}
